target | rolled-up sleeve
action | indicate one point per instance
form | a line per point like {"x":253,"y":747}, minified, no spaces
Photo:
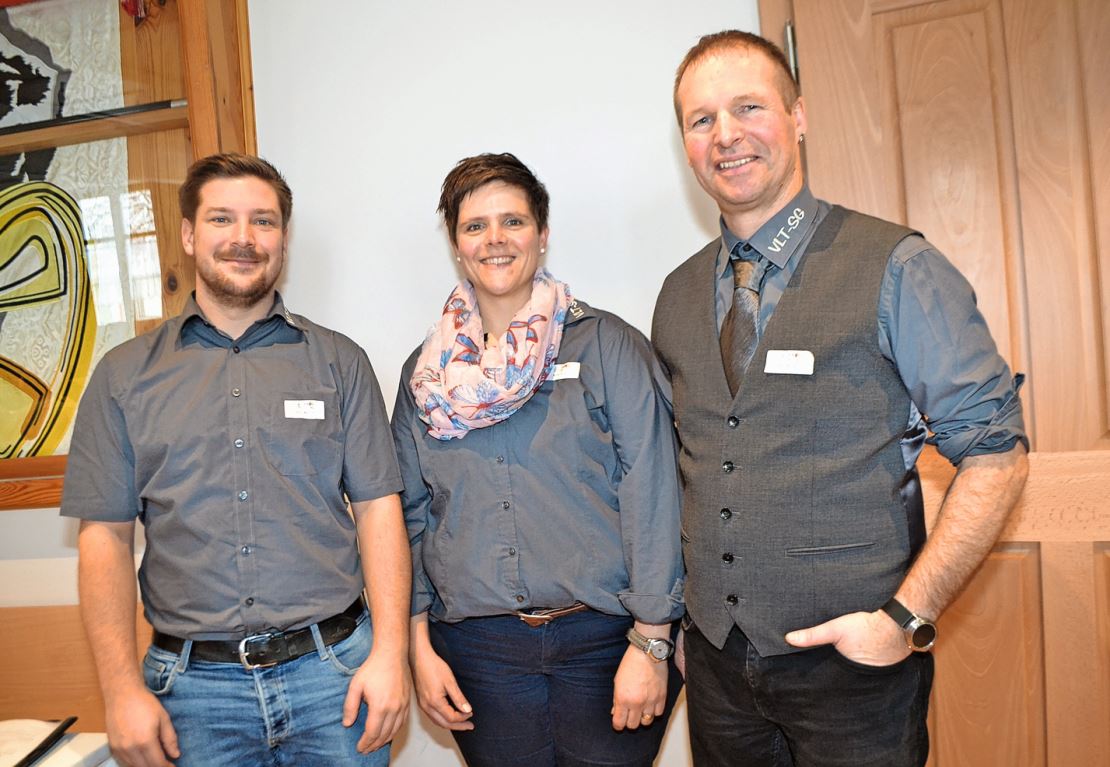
{"x":649,"y":497}
{"x":933,"y":331}
{"x":416,"y":499}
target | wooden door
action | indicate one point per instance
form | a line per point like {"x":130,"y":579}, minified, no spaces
{"x":986,"y":125}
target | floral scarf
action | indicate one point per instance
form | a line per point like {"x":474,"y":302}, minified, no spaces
{"x":459,"y":385}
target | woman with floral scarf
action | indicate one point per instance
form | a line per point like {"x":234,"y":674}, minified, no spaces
{"x":541,"y":497}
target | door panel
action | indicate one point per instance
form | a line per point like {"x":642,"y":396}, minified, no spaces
{"x":984,"y":124}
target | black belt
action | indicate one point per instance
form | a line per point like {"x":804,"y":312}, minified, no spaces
{"x":268,"y":648}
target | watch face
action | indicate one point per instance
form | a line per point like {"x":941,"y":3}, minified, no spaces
{"x":660,"y":649}
{"x":924,"y":636}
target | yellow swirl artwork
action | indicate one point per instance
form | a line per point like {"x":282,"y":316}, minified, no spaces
{"x":43,"y":265}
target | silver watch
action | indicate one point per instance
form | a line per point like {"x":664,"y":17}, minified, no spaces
{"x":656,"y":649}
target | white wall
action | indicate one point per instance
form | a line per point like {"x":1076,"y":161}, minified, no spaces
{"x":365,"y":110}
{"x":365,"y":106}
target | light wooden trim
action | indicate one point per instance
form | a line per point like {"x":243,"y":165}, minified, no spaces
{"x":246,"y":77}
{"x":1072,"y":487}
{"x":47,"y":666}
{"x":97,"y":129}
{"x":199,"y":77}
{"x":31,"y":483}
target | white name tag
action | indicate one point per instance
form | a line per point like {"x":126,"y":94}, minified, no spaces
{"x":312,"y":409}
{"x":566,"y":370}
{"x":791,"y":362}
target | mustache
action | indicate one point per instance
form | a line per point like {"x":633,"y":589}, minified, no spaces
{"x":240,"y":253}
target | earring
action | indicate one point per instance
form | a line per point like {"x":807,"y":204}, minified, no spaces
{"x":542,"y":251}
{"x":458,"y":260}
{"x":801,"y":138}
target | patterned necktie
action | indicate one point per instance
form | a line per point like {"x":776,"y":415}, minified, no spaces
{"x":740,"y":330}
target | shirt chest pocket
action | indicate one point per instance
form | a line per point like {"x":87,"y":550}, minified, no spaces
{"x":302,"y":433}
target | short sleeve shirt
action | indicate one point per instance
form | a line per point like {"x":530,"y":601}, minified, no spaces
{"x":239,"y":457}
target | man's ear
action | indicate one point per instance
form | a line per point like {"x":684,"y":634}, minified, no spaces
{"x":187,"y":236}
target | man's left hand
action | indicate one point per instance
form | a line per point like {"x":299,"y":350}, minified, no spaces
{"x":383,"y":684}
{"x":872,"y":639}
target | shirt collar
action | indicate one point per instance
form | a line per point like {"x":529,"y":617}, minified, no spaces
{"x":780,"y":235}
{"x":192,"y":309}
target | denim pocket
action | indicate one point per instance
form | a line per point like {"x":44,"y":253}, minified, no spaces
{"x":864,"y":668}
{"x":352,"y":652}
{"x":159,"y":674}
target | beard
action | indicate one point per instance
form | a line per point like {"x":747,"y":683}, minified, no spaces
{"x":230,"y":292}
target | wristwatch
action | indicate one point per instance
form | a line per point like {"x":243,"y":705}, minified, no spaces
{"x":921,"y":633}
{"x":656,"y":649}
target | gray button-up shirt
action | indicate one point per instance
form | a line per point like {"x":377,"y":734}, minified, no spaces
{"x":237,"y":455}
{"x":573,"y":497}
{"x":963,"y":386}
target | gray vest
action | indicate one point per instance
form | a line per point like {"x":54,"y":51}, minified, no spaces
{"x":797,"y":506}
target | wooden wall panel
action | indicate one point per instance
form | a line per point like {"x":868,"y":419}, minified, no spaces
{"x":990,"y":678}
{"x":1074,"y":657}
{"x":848,"y":158}
{"x":1094,"y":60}
{"x":1067,"y":365}
{"x":950,"y":146}
{"x":151,"y":62}
{"x":47,"y":666}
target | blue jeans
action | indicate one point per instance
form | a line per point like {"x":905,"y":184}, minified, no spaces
{"x":542,"y":696}
{"x":289,"y":714}
{"x":809,"y":709}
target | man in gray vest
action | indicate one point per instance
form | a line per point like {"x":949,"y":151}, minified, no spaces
{"x":813,"y":352}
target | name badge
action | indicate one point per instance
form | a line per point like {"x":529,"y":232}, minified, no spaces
{"x":791,"y":362}
{"x":566,"y":370}
{"x":310,"y":409}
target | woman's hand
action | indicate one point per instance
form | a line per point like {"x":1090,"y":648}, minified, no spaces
{"x":437,"y":692}
{"x":640,"y":686}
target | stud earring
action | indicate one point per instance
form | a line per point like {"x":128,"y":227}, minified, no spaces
{"x":542,"y":251}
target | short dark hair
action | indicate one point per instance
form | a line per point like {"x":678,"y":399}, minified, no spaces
{"x":734,"y":39}
{"x":231,"y":165}
{"x":473,"y":172}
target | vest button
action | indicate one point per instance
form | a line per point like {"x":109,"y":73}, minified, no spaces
{"x":727,"y":557}
{"x":733,"y":422}
{"x":732,"y":599}
{"x":726,"y":513}
{"x":728,"y":466}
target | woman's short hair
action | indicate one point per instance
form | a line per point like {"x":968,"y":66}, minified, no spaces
{"x":473,"y":172}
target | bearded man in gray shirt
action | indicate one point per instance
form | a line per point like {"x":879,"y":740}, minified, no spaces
{"x":238,"y":433}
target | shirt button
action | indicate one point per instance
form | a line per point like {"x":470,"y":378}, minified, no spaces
{"x":732,"y":599}
{"x":248,"y":601}
{"x":235,"y":392}
{"x":727,"y":557}
{"x":747,"y":248}
{"x":505,"y":504}
{"x":239,"y":443}
{"x":519,"y":598}
{"x":728,"y":466}
{"x":501,"y":459}
{"x":245,"y":551}
{"x":243,"y":495}
{"x":512,"y":552}
{"x":726,"y":513}
{"x":733,"y":422}
{"x":235,"y":349}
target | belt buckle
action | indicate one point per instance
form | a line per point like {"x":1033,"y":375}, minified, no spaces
{"x":244,"y":651}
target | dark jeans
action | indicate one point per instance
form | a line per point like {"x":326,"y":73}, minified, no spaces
{"x":542,"y":696}
{"x":808,"y":709}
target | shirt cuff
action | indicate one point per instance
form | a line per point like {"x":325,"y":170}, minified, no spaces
{"x":1000,"y":435}
{"x":655,"y":609}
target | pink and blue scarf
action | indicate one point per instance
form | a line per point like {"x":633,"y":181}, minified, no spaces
{"x":460,"y":385}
